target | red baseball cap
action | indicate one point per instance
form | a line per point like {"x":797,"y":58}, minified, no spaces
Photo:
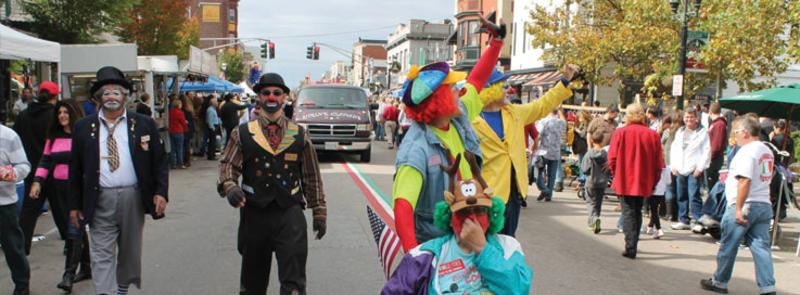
{"x":50,"y":87}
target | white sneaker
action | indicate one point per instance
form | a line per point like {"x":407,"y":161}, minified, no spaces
{"x":697,"y":228}
{"x":680,"y":226}
{"x":649,"y":230}
{"x":658,"y":234}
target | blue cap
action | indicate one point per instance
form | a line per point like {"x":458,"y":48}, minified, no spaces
{"x":496,"y":77}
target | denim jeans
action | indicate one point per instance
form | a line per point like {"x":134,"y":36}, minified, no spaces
{"x":551,"y":168}
{"x":176,"y":154}
{"x":688,"y":189}
{"x":13,"y":242}
{"x":756,"y":231}
{"x":379,"y":132}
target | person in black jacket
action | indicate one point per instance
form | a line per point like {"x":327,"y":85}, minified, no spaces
{"x":32,"y":125}
{"x":143,"y":107}
{"x":229,"y":114}
{"x":118,"y":173}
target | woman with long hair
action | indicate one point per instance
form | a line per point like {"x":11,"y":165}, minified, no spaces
{"x":188,"y":112}
{"x":667,"y":137}
{"x":55,"y":163}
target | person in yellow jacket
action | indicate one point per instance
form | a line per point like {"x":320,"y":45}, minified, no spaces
{"x":500,"y":129}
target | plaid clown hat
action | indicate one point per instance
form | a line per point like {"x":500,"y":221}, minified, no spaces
{"x":496,"y":77}
{"x":421,"y":82}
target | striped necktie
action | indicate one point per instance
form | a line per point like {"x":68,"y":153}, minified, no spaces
{"x":111,"y":145}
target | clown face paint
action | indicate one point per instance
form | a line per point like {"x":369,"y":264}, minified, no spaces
{"x":477,"y":214}
{"x":271,"y":99}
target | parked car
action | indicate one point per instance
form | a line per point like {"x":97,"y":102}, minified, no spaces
{"x":336,"y":117}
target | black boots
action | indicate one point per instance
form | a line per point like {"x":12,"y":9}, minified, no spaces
{"x":77,"y":254}
{"x":73,"y":258}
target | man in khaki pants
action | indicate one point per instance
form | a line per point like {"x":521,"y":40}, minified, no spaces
{"x":390,"y":114}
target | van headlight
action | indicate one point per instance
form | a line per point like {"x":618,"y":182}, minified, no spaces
{"x":363,"y":127}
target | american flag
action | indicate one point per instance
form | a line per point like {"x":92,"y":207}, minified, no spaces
{"x":387,"y":240}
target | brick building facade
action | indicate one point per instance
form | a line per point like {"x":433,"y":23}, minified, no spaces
{"x":218,"y":19}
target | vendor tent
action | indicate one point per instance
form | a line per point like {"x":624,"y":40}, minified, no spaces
{"x":18,"y":46}
{"x":247,"y":90}
{"x":213,"y":84}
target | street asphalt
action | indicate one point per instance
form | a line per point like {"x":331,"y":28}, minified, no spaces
{"x":193,"y":250}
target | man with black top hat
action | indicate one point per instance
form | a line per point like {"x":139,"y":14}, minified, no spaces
{"x":118,"y":173}
{"x":280,"y":177}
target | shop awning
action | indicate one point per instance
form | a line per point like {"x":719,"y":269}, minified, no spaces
{"x":18,"y":46}
{"x":544,"y":79}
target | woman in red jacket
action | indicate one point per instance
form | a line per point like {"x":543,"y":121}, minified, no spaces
{"x":636,"y":161}
{"x":177,"y":128}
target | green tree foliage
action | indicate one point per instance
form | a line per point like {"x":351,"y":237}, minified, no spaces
{"x":234,"y":65}
{"x":75,"y":21}
{"x":188,"y":36}
{"x":158,"y":27}
{"x":639,"y":38}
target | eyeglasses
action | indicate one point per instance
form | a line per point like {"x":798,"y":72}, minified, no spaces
{"x":738,"y":130}
{"x":473,"y":210}
{"x":112,"y":93}
{"x":275,"y":93}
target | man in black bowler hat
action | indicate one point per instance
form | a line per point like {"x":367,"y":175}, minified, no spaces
{"x":280,"y":177}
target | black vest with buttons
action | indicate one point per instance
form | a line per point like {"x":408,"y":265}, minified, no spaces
{"x":268,"y":176}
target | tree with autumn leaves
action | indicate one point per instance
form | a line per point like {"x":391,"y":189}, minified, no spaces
{"x":161,"y":28}
{"x":637,"y":39}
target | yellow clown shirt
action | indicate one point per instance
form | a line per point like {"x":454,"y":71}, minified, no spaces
{"x":500,"y":155}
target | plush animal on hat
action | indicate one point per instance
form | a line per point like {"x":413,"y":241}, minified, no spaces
{"x":468,"y":193}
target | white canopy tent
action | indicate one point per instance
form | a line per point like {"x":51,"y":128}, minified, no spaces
{"x":247,"y":90}
{"x":18,"y":46}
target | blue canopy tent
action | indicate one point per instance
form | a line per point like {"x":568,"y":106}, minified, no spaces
{"x":213,"y":84}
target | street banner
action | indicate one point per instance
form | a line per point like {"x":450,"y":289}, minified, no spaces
{"x":695,"y":42}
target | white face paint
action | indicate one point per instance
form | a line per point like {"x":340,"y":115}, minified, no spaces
{"x":469,"y":189}
{"x":113,"y":98}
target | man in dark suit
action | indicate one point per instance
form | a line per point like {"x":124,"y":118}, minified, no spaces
{"x":118,"y":173}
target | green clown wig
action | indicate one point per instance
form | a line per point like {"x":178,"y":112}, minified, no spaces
{"x":441,"y":217}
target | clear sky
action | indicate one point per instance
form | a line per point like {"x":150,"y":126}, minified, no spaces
{"x":337,"y":22}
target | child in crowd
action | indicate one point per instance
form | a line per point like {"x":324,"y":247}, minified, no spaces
{"x":595,"y":167}
{"x":655,"y":201}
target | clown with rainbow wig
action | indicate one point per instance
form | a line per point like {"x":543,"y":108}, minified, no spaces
{"x":500,"y":129}
{"x":442,"y":118}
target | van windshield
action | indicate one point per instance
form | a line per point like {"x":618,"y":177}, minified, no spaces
{"x":332,"y":98}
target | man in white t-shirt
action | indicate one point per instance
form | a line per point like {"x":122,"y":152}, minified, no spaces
{"x":749,"y":210}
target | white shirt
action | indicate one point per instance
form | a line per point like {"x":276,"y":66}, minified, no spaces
{"x":704,"y":120}
{"x":755,"y":162}
{"x":125,"y":175}
{"x":691,"y":150}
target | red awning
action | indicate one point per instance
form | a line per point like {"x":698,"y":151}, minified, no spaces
{"x":544,"y":79}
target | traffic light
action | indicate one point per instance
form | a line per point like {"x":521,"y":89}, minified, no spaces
{"x":271,"y":50}
{"x":264,"y":50}
{"x":316,"y":52}
{"x":310,"y":52}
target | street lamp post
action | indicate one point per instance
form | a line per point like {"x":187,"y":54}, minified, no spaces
{"x":684,"y":18}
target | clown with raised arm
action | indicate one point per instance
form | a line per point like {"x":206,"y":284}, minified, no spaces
{"x":500,"y":129}
{"x":443,"y":117}
{"x":471,"y":258}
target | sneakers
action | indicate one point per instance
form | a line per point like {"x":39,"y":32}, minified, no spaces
{"x":658,"y":234}
{"x":680,"y":226}
{"x":596,"y":226}
{"x":629,"y":255}
{"x":544,"y":197}
{"x":649,"y":230}
{"x":697,"y":228}
{"x":708,"y":221}
{"x":708,"y":284}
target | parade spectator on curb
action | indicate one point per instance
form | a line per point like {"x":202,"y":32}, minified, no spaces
{"x":442,"y":131}
{"x":471,"y":258}
{"x":229,"y":114}
{"x":595,"y":166}
{"x":675,"y":120}
{"x":380,"y":132}
{"x":689,"y":158}
{"x":551,"y":132}
{"x":605,"y":124}
{"x":405,"y":122}
{"x":143,"y":106}
{"x":188,"y":136}
{"x":177,"y":129}
{"x":115,"y":182}
{"x":654,"y":118}
{"x":705,"y":117}
{"x":280,"y":177}
{"x":55,"y":163}
{"x":782,"y":142}
{"x":22,"y":103}
{"x":213,"y":127}
{"x":390,"y":115}
{"x":655,"y":202}
{"x":636,"y":161}
{"x":31,"y":126}
{"x":749,"y":210}
{"x":718,"y":140}
{"x":500,"y":129}
{"x":14,"y":166}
